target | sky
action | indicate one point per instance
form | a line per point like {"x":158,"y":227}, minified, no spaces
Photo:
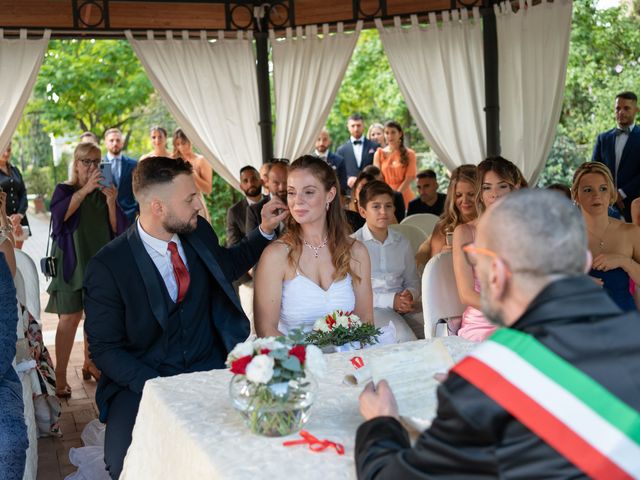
{"x":608,"y":3}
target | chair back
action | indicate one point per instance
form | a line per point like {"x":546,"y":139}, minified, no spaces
{"x":440,"y":300}
{"x":424,"y":221}
{"x":29,"y":290}
{"x":411,"y":233}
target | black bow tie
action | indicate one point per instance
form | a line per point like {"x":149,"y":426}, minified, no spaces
{"x":620,"y":131}
{"x":357,"y":142}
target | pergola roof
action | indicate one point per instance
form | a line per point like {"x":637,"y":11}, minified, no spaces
{"x":109,"y":18}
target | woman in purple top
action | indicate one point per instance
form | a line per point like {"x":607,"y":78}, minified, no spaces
{"x":84,"y":218}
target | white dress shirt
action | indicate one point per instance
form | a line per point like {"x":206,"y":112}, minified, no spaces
{"x":393,"y":266}
{"x":357,"y":149}
{"x":158,"y":250}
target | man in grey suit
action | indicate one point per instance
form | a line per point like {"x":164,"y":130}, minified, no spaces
{"x":251,"y":186}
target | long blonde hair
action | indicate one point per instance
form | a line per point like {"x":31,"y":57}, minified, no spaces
{"x":452,"y":217}
{"x":338,"y":240}
{"x":82,"y":150}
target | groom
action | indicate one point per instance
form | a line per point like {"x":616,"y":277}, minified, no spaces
{"x":159,"y":299}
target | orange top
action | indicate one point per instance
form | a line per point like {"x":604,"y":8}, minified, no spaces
{"x":394,"y":172}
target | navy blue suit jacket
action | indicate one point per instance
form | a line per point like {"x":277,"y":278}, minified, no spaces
{"x":628,"y":174}
{"x":126,"y":200}
{"x":126,"y":314}
{"x":337,"y":162}
{"x":346,"y":151}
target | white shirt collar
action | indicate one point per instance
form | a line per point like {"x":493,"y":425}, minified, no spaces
{"x":251,"y":202}
{"x":354,"y":138}
{"x":392,"y":236}
{"x":111,"y":157}
{"x":321,"y":155}
{"x":158,"y":245}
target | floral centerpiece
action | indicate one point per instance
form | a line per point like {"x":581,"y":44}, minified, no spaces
{"x":273,"y":386}
{"x":341,"y":328}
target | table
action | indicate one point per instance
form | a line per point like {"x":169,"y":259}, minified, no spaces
{"x":187,"y":428}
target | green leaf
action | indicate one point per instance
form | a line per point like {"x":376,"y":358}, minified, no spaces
{"x":292,"y":363}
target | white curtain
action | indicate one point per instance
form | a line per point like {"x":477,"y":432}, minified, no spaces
{"x":533,"y":47}
{"x":307,"y":71}
{"x":210,"y":88}
{"x":439,"y":69}
{"x":20,"y":61}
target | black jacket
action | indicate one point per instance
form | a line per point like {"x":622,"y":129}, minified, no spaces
{"x":473,"y":437}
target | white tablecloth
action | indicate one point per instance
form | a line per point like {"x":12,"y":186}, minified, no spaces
{"x":187,"y":428}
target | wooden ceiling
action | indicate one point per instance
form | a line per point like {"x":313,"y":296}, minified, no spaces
{"x":109,"y":18}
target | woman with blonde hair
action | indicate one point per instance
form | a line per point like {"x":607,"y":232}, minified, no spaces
{"x":376,"y":134}
{"x":315,"y":267}
{"x":158,"y":142}
{"x":84,"y":218}
{"x":202,"y":171}
{"x":495,"y":178}
{"x":459,"y":208}
{"x":614,"y":245}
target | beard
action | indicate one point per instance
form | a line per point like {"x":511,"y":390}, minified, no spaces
{"x":252,"y":192}
{"x":175,"y":225}
{"x":490,"y":311}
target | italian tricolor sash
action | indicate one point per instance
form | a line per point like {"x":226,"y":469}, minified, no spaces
{"x":575,"y":415}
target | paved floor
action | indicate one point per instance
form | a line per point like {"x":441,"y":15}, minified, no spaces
{"x":80,"y":409}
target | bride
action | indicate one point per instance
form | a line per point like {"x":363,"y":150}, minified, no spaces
{"x":315,"y":267}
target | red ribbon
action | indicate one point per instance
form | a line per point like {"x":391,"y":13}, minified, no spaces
{"x":315,"y":445}
{"x":357,"y":362}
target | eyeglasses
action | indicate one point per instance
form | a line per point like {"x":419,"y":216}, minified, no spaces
{"x":87,"y":162}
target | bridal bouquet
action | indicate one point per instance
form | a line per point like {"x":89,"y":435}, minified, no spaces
{"x":342,"y":328}
{"x":273,"y":386}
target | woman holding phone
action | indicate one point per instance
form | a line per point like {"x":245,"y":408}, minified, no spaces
{"x":84,"y":217}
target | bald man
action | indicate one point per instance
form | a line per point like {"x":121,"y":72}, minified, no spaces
{"x":541,"y":398}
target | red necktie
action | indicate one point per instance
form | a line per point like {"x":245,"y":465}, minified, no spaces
{"x":180,"y":271}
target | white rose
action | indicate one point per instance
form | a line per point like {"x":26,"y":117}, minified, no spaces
{"x":268,"y":342}
{"x":314,"y":361}
{"x":241,"y":350}
{"x":260,"y":369}
{"x":321,"y":325}
{"x":342,"y":321}
{"x":355,"y":321}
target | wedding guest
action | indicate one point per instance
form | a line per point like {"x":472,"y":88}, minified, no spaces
{"x":251,"y":186}
{"x":13,"y":431}
{"x":159,"y":299}
{"x":355,"y":220}
{"x":122,"y":168}
{"x":429,"y":200}
{"x":459,"y":208}
{"x":358,"y":151}
{"x":202,"y":171}
{"x":376,"y":134}
{"x":496,"y":177}
{"x":397,"y":162}
{"x":496,"y":418}
{"x":12,"y":184}
{"x":398,"y":199}
{"x":614,"y":245}
{"x":264,"y":172}
{"x":89,"y":137}
{"x":277,"y":186}
{"x":85,"y":216}
{"x":394,"y":278}
{"x":323,"y":142}
{"x":159,"y":143}
{"x":562,"y":188}
{"x":314,"y":268}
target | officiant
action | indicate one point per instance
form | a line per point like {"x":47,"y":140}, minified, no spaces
{"x":159,"y":299}
{"x":519,"y":405}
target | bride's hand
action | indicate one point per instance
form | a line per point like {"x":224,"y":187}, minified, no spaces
{"x":273,"y":212}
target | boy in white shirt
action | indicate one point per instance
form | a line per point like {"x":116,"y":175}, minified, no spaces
{"x":394,"y":276}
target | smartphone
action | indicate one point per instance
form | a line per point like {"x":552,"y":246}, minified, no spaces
{"x":105,"y":172}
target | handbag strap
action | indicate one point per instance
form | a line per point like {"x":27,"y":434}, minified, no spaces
{"x":49,"y":236}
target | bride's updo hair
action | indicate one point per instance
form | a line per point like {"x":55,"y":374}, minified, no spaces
{"x":338,"y":229}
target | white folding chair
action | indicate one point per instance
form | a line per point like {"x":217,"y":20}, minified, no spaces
{"x":424,"y":221}
{"x":31,"y":294}
{"x":411,"y":233}
{"x":440,"y":300}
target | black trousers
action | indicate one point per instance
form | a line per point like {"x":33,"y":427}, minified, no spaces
{"x":117,"y":438}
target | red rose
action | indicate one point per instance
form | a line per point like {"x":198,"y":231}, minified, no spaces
{"x":239,"y":366}
{"x":265,"y":351}
{"x":298,"y":351}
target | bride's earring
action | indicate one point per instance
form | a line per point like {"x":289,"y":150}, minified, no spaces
{"x":328,"y":203}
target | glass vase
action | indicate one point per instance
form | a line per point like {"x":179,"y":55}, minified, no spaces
{"x":276,"y":409}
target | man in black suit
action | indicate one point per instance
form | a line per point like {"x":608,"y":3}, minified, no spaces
{"x":122,"y":168}
{"x":323,"y":142}
{"x":619,"y":149}
{"x":358,"y":151}
{"x":159,"y":299}
{"x":251,"y":186}
{"x":277,"y":184}
{"x":429,"y":201}
{"x":500,"y":412}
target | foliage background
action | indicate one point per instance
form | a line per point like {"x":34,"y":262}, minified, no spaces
{"x":94,"y":85}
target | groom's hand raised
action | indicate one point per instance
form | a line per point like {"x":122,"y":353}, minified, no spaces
{"x":273,"y":212}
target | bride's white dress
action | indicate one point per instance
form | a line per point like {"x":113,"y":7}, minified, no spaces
{"x":304,"y":301}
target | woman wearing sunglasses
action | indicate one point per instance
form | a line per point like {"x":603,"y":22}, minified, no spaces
{"x":84,"y":218}
{"x":496,"y":177}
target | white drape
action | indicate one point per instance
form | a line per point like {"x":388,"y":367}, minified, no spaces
{"x":533,"y":48}
{"x":210,"y":88}
{"x":20,"y":61}
{"x":440,"y":72}
{"x":307,"y":70}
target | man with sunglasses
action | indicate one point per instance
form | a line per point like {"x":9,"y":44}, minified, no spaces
{"x":554,"y":394}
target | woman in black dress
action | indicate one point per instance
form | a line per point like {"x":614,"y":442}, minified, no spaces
{"x":12,"y":184}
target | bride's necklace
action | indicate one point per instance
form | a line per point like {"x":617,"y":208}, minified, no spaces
{"x":316,"y":250}
{"x":600,"y":239}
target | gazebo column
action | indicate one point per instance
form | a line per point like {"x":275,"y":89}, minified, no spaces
{"x":264,"y":93}
{"x":491,"y":87}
